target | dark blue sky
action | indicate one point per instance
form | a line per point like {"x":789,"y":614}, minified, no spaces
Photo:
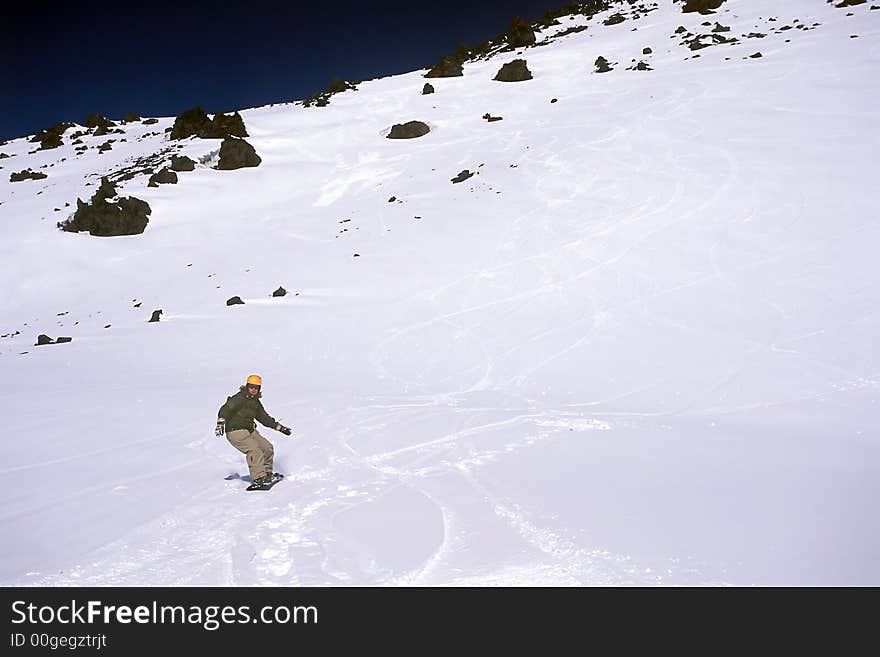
{"x":64,"y":61}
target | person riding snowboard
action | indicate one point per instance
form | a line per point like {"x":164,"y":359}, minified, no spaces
{"x":236,"y":419}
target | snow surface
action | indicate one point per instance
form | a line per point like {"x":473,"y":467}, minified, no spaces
{"x":639,"y":347}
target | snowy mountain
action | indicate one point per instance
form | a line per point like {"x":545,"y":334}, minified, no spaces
{"x":637,"y":346}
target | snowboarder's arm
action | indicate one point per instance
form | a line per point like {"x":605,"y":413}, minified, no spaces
{"x":264,"y":418}
{"x":229,"y":407}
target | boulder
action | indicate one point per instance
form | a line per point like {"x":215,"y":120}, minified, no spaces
{"x":280,"y":292}
{"x":236,"y":154}
{"x":462,"y":176}
{"x":234,"y":301}
{"x":165,"y":177}
{"x":602,"y":65}
{"x":448,"y":67}
{"x":182,"y":163}
{"x":701,"y":6}
{"x":515,"y":71}
{"x":45,"y":339}
{"x":155,"y":316}
{"x":427,"y":89}
{"x":408,"y":130}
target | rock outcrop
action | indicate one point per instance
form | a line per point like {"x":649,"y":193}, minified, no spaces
{"x":520,"y":33}
{"x":51,"y":137}
{"x":103,"y":217}
{"x":27,"y":174}
{"x":194,"y":122}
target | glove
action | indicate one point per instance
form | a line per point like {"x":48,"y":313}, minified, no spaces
{"x":220,"y":429}
{"x":285,"y":430}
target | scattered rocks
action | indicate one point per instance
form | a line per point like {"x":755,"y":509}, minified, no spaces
{"x":614,"y":19}
{"x":280,"y":292}
{"x":408,"y":130}
{"x":27,"y":174}
{"x":165,"y":177}
{"x":237,"y":154}
{"x":234,"y":301}
{"x":515,"y":71}
{"x":104,"y":218}
{"x":146,"y":164}
{"x":427,"y":89}
{"x":182,"y":163}
{"x":322,"y":98}
{"x":462,"y":176}
{"x":194,"y":122}
{"x":155,"y":316}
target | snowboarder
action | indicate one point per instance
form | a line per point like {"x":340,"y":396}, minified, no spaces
{"x":236,"y":418}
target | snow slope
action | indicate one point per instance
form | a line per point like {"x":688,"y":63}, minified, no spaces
{"x":638,"y":347}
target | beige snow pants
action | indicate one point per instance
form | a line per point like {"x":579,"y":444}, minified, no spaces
{"x":258,"y":450}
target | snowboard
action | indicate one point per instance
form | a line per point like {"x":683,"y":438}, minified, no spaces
{"x":276,"y":477}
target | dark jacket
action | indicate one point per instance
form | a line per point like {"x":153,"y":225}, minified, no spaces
{"x":242,"y":409}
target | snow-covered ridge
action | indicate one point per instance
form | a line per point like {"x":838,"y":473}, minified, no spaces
{"x":635,"y":347}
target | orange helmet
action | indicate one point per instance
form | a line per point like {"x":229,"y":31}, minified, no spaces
{"x":255,"y":380}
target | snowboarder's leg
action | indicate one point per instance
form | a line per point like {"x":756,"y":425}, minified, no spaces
{"x":267,"y":450}
{"x":247,"y":442}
